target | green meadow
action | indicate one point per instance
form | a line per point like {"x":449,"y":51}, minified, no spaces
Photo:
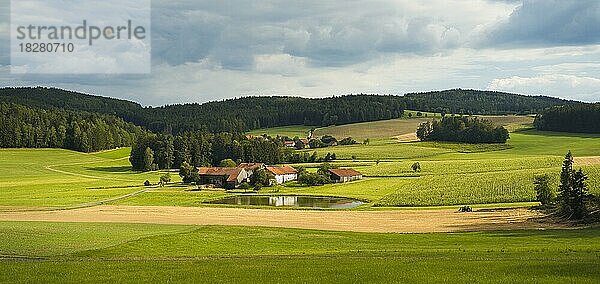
{"x":92,"y":252}
{"x":451,"y":173}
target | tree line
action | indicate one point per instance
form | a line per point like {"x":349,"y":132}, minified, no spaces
{"x":200,"y":148}
{"x":583,"y":118}
{"x":470,"y":102}
{"x":462,"y":129}
{"x":242,"y":114}
{"x":31,"y":127}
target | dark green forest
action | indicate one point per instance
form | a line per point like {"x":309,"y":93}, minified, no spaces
{"x":31,"y":127}
{"x":583,"y":118}
{"x":204,"y":134}
{"x":462,"y":129}
{"x":233,"y":115}
{"x":471,"y":102}
{"x":165,"y":151}
{"x":243,"y":114}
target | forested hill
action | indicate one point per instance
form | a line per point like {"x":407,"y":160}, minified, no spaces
{"x":32,"y":127}
{"x":57,"y":98}
{"x":480,"y":102}
{"x":237,"y":115}
{"x":242,"y":114}
{"x":584,"y":118}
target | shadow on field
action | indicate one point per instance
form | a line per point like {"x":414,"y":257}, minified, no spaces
{"x":119,"y":169}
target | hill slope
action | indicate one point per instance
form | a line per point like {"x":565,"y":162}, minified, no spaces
{"x":242,"y":114}
{"x":480,"y":102}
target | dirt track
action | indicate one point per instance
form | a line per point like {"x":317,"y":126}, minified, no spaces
{"x":586,"y":161}
{"x":402,"y":221}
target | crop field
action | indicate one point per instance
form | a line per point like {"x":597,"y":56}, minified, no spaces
{"x":386,"y":129}
{"x":92,"y":252}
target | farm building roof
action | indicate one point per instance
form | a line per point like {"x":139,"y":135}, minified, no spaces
{"x":230,"y":173}
{"x":345,"y":172}
{"x":250,"y":166}
{"x":284,"y":170}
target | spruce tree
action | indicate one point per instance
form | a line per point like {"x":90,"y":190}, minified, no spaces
{"x":572,"y":190}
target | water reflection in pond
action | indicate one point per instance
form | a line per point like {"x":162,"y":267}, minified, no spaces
{"x":290,"y":201}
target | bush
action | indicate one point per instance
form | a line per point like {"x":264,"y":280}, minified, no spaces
{"x":261,"y":177}
{"x":147,"y":183}
{"x":312,"y":179}
{"x":348,"y":141}
{"x":416,"y":167}
{"x":164,"y":179}
{"x":542,"y":189}
{"x":245,"y":186}
{"x":228,"y":163}
{"x":188,"y":173}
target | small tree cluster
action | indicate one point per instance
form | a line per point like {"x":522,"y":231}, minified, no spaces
{"x":462,"y":129}
{"x":188,"y":173}
{"x":321,"y":177}
{"x":261,"y":178}
{"x":573,"y":191}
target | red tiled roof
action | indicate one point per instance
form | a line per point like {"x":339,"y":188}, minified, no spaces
{"x":231,"y":173}
{"x":285,"y":170}
{"x":250,"y":166}
{"x":345,"y":172}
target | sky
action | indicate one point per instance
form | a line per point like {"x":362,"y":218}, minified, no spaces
{"x":211,"y":50}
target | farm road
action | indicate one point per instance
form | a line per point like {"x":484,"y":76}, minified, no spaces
{"x":385,"y":221}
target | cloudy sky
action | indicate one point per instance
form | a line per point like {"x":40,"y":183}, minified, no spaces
{"x":207,"y":50}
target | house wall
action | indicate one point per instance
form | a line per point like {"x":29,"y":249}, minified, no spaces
{"x":347,"y":179}
{"x":285,"y":178}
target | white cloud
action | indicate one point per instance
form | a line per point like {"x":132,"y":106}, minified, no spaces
{"x":565,"y":86}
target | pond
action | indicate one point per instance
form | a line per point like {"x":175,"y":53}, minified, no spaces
{"x":290,"y":201}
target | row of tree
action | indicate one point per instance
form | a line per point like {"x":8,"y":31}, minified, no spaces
{"x":32,"y":127}
{"x":199,"y":148}
{"x":582,"y":118}
{"x":462,"y":129}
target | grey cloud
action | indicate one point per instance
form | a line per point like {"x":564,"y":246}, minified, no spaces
{"x":548,"y":23}
{"x":328,"y":33}
{"x":4,"y":34}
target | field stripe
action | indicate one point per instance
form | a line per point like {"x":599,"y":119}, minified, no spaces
{"x":397,"y":221}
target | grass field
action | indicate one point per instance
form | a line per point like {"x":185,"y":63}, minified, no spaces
{"x":57,"y":178}
{"x":73,"y":252}
{"x":452,"y":174}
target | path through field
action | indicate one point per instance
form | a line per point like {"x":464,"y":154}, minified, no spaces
{"x":400,"y":221}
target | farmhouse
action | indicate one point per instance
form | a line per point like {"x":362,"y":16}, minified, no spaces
{"x":251,"y":167}
{"x":222,"y":177}
{"x":283,"y":174}
{"x":344,"y":175}
{"x":289,"y":144}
